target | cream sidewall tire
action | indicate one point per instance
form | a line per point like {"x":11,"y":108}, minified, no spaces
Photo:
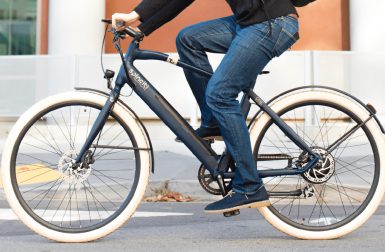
{"x":145,"y":166}
{"x":343,"y":101}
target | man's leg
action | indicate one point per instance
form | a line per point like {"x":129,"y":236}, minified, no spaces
{"x":245,"y":59}
{"x":250,"y":51}
{"x":192,"y":43}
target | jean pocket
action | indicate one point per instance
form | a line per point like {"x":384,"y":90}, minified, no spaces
{"x":287,"y":37}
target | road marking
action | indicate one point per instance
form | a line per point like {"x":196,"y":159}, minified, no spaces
{"x":35,"y":173}
{"x":325,"y":221}
{"x":7,"y":214}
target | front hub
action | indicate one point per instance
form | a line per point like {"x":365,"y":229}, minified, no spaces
{"x":324,"y":170}
{"x":71,"y":172}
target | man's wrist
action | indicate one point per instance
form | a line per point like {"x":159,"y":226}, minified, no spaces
{"x":135,"y":15}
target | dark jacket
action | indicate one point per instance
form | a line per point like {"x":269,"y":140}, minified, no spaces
{"x":155,"y":13}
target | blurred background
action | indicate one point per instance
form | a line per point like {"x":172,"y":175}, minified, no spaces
{"x":51,"y":46}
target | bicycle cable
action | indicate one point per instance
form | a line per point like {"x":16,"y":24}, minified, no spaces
{"x":101,"y":58}
{"x":102,"y":49}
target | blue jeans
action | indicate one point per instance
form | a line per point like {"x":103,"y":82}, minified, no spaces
{"x":248,"y":50}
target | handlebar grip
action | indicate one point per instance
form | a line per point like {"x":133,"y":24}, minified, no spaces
{"x":107,"y":21}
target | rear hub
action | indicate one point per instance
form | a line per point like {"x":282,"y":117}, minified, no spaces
{"x":324,"y":170}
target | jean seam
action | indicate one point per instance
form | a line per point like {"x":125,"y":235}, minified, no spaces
{"x":288,"y":34}
{"x":277,"y":43}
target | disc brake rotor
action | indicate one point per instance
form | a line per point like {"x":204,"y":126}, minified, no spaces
{"x":324,"y":170}
{"x":69,"y":173}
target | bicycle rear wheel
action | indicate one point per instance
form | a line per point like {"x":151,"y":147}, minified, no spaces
{"x":340,"y":194}
{"x":67,"y":204}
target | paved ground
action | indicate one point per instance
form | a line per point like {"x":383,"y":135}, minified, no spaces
{"x":199,"y":231}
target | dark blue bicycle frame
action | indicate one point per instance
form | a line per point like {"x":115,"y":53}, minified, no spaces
{"x":217,"y":165}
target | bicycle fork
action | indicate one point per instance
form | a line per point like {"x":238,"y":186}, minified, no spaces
{"x":98,"y":124}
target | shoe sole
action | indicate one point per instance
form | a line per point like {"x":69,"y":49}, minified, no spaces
{"x":258,"y":204}
{"x":216,"y":138}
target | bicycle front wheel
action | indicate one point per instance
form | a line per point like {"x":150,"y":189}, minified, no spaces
{"x":342,"y":192}
{"x":67,"y":204}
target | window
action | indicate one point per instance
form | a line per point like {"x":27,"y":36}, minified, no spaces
{"x":17,"y":27}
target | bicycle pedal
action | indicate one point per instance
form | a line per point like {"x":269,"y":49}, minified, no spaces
{"x":231,"y":213}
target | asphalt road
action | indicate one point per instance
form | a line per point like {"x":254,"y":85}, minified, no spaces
{"x":196,"y":232}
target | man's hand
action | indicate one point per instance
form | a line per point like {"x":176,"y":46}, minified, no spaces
{"x":127,"y":19}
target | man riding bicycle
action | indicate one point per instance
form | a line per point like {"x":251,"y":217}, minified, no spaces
{"x":258,"y":31}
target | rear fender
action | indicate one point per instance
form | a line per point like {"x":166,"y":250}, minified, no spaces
{"x":368,"y":107}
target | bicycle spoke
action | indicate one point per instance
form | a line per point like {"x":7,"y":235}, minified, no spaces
{"x":108,"y":186}
{"x":111,"y":179}
{"x":358,"y":176}
{"x":40,"y":148}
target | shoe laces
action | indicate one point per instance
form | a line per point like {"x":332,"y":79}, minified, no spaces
{"x":230,"y":194}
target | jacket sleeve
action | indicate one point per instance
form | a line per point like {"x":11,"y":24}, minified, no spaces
{"x":155,"y":13}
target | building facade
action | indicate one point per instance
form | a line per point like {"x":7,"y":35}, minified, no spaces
{"x":64,"y":27}
{"x":341,"y":46}
{"x":71,"y":26}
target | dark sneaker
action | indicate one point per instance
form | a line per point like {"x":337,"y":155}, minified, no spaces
{"x":234,"y":201}
{"x":207,"y":134}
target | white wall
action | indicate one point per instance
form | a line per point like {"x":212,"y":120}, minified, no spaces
{"x":359,"y":73}
{"x":46,"y":75}
{"x":75,"y":27}
{"x":27,"y":79}
{"x":367,"y":25}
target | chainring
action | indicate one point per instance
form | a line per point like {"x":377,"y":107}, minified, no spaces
{"x":209,"y":184}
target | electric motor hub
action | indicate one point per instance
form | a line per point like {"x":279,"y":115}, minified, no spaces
{"x":323,"y":170}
